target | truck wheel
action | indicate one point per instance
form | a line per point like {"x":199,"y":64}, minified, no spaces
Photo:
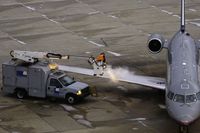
{"x":71,"y":99}
{"x":20,"y":93}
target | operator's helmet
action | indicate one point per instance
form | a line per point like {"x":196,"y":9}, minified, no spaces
{"x":102,"y":53}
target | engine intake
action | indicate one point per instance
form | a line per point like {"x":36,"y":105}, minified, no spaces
{"x":155,"y":43}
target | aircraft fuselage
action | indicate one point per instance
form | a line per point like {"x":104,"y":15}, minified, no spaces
{"x":182,"y":92}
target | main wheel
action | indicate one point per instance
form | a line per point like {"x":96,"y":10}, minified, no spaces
{"x":21,"y":93}
{"x":71,"y":99}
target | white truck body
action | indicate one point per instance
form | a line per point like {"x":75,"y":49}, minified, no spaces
{"x":39,"y":81}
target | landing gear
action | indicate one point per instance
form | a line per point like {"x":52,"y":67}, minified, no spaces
{"x":183,"y":129}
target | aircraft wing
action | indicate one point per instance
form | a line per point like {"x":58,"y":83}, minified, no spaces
{"x":120,"y":75}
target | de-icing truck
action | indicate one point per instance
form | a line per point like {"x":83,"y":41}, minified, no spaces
{"x":25,"y":75}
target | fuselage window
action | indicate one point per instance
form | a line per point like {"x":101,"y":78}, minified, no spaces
{"x":170,"y":95}
{"x":179,"y":98}
{"x":197,"y":56}
{"x":198,"y":95}
{"x":170,"y":58}
{"x":191,"y":98}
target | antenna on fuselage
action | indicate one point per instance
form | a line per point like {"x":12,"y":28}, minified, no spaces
{"x":182,"y":15}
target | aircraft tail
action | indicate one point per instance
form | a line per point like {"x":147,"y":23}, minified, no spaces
{"x":182,"y":16}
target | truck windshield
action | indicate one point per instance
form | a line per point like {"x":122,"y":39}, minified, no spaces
{"x":65,"y":80}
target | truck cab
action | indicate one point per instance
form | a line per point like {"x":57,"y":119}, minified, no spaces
{"x":62,"y":86}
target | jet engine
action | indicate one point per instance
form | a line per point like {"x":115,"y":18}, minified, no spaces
{"x":155,"y":43}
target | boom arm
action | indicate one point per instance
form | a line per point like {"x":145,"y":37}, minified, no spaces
{"x":31,"y":57}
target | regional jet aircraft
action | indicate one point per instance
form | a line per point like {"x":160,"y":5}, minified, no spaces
{"x":182,"y":83}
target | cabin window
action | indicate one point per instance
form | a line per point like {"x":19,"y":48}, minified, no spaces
{"x":169,"y":58}
{"x":197,"y":56}
{"x":179,"y":98}
{"x":198,"y":95}
{"x":170,"y":95}
{"x":191,"y":98}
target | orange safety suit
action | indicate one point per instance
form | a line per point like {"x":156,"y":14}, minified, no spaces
{"x":101,"y":57}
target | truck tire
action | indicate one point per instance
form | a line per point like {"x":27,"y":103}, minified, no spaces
{"x":71,"y":99}
{"x":21,"y":93}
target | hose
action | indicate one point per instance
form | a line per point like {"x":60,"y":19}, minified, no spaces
{"x":53,"y":55}
{"x":11,"y":53}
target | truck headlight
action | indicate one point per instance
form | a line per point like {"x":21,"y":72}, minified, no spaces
{"x":78,"y":93}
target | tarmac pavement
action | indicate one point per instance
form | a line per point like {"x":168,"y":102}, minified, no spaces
{"x":119,"y":28}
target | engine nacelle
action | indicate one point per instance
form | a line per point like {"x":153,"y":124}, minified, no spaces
{"x":155,"y":43}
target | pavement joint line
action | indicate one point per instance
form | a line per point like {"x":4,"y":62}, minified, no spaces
{"x":196,"y":19}
{"x":26,"y":35}
{"x":92,"y":13}
{"x":28,"y":7}
{"x":97,"y":44}
{"x":153,"y":6}
{"x":115,"y":17}
{"x":138,"y":119}
{"x":76,"y":115}
{"x":52,"y":20}
{"x":195,"y":23}
{"x":43,"y":15}
{"x":108,"y":15}
{"x":21,"y":42}
{"x":95,"y":11}
{"x":161,"y":106}
{"x":168,"y":12}
{"x":175,"y":15}
{"x":178,"y":16}
{"x":142,"y":123}
{"x":193,"y":10}
{"x":85,"y":38}
{"x":28,"y":2}
{"x":40,"y":118}
{"x":114,"y":53}
{"x":10,"y":19}
{"x":112,"y":16}
{"x":33,"y":9}
{"x":13,"y":38}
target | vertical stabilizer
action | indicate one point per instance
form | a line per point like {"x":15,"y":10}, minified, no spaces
{"x":182,"y":15}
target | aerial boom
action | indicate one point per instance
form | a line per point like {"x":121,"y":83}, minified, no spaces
{"x":33,"y":57}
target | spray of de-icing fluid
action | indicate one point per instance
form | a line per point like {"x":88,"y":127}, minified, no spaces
{"x":118,"y":73}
